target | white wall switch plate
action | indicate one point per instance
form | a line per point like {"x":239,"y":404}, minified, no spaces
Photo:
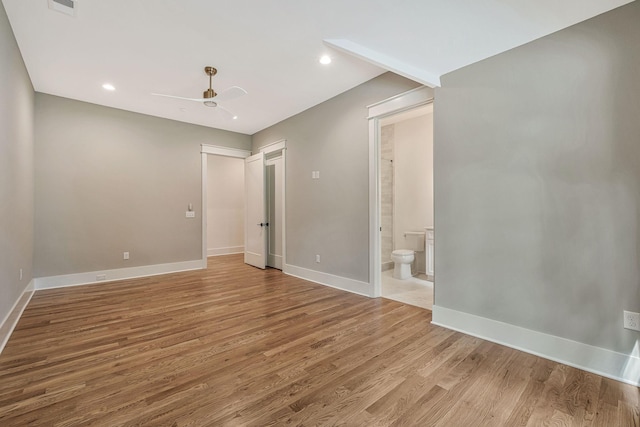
{"x":125,"y":255}
{"x":190,"y":214}
{"x":317,"y":258}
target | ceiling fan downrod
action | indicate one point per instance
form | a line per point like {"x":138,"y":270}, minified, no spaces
{"x":210,"y":93}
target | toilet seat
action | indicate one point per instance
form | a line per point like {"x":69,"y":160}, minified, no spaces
{"x":403,"y":252}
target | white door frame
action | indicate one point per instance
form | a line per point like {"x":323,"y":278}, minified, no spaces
{"x":205,"y":151}
{"x":271,"y":150}
{"x":396,"y":104}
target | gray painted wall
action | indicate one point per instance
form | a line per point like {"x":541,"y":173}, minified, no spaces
{"x":330,"y":216}
{"x":16,"y":170}
{"x":109,"y":181}
{"x":537,"y":183}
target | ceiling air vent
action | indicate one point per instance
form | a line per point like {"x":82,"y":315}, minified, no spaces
{"x":65,"y":6}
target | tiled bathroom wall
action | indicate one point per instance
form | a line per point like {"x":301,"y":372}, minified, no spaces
{"x":386,"y":195}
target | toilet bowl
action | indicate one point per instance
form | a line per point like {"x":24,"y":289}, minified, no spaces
{"x":402,"y":259}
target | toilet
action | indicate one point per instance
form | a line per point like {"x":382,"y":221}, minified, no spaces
{"x":403,"y":258}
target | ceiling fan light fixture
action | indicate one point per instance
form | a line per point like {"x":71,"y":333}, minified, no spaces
{"x":210,"y":98}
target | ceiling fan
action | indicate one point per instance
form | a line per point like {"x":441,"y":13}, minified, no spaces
{"x":212,"y":99}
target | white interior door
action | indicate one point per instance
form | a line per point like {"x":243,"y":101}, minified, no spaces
{"x":256,"y":228}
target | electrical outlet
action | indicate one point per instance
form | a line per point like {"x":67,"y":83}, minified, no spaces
{"x":317,"y":258}
{"x":125,"y":255}
{"x":631,"y":320}
{"x":101,"y":277}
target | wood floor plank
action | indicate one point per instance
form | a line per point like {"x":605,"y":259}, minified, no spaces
{"x":235,"y":345}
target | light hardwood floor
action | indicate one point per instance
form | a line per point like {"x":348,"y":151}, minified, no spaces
{"x":234,"y":345}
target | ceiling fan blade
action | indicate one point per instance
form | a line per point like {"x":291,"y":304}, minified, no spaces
{"x":230,"y":93}
{"x":226,"y":112}
{"x":180,"y":97}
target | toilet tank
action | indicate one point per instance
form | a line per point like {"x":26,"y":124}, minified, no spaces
{"x":414,"y":240}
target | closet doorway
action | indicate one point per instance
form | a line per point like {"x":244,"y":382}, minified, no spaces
{"x":222,"y":204}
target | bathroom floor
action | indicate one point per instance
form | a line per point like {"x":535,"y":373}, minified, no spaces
{"x":414,"y":291}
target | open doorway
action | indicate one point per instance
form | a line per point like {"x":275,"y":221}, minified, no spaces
{"x":419,"y":233}
{"x":222,"y":205}
{"x":225,"y":186}
{"x":225,"y":205}
{"x":406,"y":205}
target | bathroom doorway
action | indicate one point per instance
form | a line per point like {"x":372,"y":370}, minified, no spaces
{"x":401,"y":196}
{"x":406,"y":203}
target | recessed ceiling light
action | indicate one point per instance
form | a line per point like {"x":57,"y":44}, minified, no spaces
{"x":108,"y":86}
{"x":325,"y":60}
{"x":235,"y":117}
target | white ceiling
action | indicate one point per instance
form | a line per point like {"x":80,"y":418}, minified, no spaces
{"x":268,"y":47}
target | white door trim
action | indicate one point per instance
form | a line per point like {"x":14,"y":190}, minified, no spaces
{"x":225,"y":151}
{"x":404,"y":101}
{"x":216,"y":151}
{"x":274,"y":146}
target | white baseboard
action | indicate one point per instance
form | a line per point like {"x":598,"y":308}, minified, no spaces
{"x":338,"y":282}
{"x":597,"y":360}
{"x":225,"y":251}
{"x":11,"y":319}
{"x":115,"y":274}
